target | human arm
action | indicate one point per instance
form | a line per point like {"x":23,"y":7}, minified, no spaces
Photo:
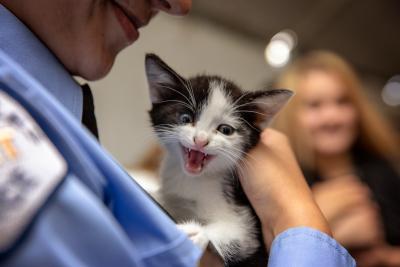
{"x":277,"y":190}
{"x":294,"y":229}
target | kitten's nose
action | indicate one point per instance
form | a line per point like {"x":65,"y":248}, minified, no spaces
{"x":200,"y":141}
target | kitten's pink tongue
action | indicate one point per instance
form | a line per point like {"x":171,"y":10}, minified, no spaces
{"x":195,"y":161}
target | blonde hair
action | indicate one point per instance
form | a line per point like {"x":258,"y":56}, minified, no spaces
{"x":375,"y":134}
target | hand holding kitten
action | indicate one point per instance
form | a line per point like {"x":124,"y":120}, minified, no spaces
{"x":277,"y":190}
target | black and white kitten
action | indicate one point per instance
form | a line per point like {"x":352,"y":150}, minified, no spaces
{"x":207,"y":124}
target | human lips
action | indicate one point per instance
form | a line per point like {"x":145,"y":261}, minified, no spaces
{"x":129,"y":23}
{"x":138,"y":21}
{"x":332,"y":129}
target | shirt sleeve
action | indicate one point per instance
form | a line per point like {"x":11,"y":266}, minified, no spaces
{"x":302,"y":246}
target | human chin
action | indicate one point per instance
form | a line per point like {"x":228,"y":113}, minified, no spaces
{"x":333,"y":146}
{"x":94,"y":67}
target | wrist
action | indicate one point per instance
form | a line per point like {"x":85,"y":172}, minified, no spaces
{"x":289,"y":215}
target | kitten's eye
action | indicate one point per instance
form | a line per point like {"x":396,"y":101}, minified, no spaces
{"x":226,"y":129}
{"x":185,"y":118}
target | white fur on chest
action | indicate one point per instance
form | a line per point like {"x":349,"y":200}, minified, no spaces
{"x":231,"y":228}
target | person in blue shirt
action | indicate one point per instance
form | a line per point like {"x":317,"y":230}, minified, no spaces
{"x":64,"y":201}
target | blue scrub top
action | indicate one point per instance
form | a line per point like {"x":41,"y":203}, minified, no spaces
{"x":98,"y":216}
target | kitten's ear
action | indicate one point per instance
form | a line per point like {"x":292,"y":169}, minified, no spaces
{"x":269,"y":103}
{"x":161,"y":78}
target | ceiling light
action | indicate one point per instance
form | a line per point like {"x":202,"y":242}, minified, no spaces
{"x":391,"y":92}
{"x":277,"y":53}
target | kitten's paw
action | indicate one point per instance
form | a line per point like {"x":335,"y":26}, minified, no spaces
{"x":196,"y":233}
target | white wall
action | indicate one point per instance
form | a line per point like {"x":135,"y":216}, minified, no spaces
{"x":190,"y":46}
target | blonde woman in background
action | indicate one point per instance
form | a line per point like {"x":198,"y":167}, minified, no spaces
{"x":348,"y":153}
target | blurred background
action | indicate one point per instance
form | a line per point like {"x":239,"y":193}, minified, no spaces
{"x":250,"y":42}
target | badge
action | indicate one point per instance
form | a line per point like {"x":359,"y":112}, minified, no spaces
{"x":30,"y":169}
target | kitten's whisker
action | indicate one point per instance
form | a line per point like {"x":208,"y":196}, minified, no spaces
{"x":237,"y":108}
{"x":176,"y":91}
{"x":251,"y":111}
{"x":241,"y":152}
{"x":165,"y":127}
{"x":173,"y":89}
{"x":239,"y":98}
{"x":183,"y":82}
{"x":251,"y":103}
{"x":165,"y":134}
{"x":238,"y":155}
{"x":230,"y":158}
{"x":251,"y":126}
{"x":240,"y":166}
{"x":191,"y":89}
{"x":169,"y":130}
{"x":165,"y":124}
{"x":241,"y":172}
{"x":234,"y":158}
{"x":179,"y":102}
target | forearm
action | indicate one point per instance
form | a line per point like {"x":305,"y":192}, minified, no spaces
{"x":299,"y":211}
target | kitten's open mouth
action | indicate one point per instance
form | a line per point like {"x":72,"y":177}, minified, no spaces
{"x":195,"y":160}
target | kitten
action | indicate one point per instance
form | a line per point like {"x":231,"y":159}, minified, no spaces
{"x":207,"y":125}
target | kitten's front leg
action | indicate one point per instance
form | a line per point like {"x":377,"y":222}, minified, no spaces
{"x":194,"y":230}
{"x":232,"y":239}
{"x":196,"y":233}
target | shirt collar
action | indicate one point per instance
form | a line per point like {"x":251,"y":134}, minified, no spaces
{"x":19,"y":43}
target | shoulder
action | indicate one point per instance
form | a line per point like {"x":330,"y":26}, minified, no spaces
{"x":30,"y":169}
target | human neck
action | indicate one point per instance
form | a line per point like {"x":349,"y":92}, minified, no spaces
{"x":333,"y":166}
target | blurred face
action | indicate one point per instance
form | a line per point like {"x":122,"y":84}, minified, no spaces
{"x":86,"y":35}
{"x":326,"y":113}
